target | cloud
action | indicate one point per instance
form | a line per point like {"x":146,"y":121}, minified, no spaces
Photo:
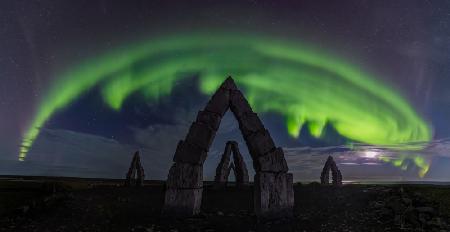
{"x":370,"y":163}
{"x":60,"y":152}
{"x":69,"y":153}
{"x":158,"y":144}
{"x":306,"y":164}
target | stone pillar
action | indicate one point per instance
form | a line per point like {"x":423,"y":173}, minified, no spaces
{"x":273,"y":195}
{"x":273,"y":191}
{"x":325,"y":175}
{"x":336,"y":175}
{"x":222,"y":170}
{"x":184,"y":188}
{"x":184,"y":184}
{"x":240,"y":169}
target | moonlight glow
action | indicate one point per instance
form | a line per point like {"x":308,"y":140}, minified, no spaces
{"x":298,"y":82}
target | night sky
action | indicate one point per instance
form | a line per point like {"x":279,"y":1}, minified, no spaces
{"x":83,"y":84}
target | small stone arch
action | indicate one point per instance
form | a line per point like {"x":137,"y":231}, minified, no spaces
{"x":330,"y":165}
{"x":273,"y":190}
{"x":225,"y":166}
{"x":135,"y":175}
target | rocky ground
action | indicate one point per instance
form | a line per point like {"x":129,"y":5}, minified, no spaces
{"x":76,"y":206}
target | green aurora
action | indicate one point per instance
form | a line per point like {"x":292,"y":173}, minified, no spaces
{"x":296,"y":81}
{"x":403,"y":161}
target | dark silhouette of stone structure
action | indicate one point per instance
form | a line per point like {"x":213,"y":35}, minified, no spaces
{"x":336,"y":175}
{"x":273,"y":190}
{"x":135,"y":174}
{"x":224,"y":168}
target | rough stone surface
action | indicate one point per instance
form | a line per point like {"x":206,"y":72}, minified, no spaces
{"x":273,"y":161}
{"x":330,"y":165}
{"x":273,"y":189}
{"x":135,"y":175}
{"x":250,"y":123}
{"x":182,"y":202}
{"x":201,"y":135}
{"x":185,"y":176}
{"x":223,"y":167}
{"x":240,"y":168}
{"x":228,"y":84}
{"x":188,"y":153}
{"x":238,"y":104}
{"x":259,"y":144}
{"x":337,"y":177}
{"x":209,"y":118}
{"x":273,"y":195}
{"x":219,"y":102}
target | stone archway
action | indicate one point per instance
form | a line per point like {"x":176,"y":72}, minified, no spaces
{"x":336,"y":175}
{"x":225,"y":166}
{"x":273,"y":190}
{"x":135,"y":175}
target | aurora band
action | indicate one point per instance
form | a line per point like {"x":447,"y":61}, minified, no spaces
{"x":306,"y":86}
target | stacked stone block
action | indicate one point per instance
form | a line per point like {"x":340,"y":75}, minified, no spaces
{"x":273,"y":192}
{"x":185,"y":180}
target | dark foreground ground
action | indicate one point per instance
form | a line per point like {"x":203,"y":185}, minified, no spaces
{"x":101,"y":205}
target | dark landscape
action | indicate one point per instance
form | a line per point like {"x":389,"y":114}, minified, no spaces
{"x":74,"y":204}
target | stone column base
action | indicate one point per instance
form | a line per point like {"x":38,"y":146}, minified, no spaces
{"x":273,"y":195}
{"x":184,"y":189}
{"x":182,"y":202}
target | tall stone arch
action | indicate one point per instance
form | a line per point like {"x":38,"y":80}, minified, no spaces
{"x":273,"y":190}
{"x":330,"y":166}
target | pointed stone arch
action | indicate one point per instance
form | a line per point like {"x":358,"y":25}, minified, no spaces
{"x":273,"y":190}
{"x":225,"y":166}
{"x":330,"y":165}
{"x":135,"y":175}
